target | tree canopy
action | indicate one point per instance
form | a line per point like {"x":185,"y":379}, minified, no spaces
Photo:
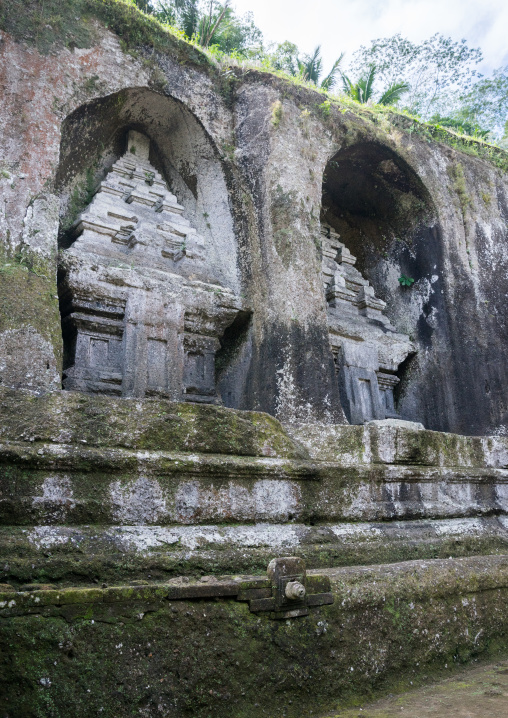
{"x":436,"y":80}
{"x":208,"y":22}
{"x":286,"y":57}
{"x":434,"y":69}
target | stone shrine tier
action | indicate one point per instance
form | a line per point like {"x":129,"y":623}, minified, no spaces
{"x":367,"y":348}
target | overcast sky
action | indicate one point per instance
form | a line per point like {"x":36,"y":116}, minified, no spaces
{"x":344,"y":25}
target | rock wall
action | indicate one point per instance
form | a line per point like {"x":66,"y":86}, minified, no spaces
{"x":176,"y":235}
{"x":258,"y":164}
{"x":148,"y":650}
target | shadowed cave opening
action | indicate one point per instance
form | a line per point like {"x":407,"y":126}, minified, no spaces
{"x":375,"y":204}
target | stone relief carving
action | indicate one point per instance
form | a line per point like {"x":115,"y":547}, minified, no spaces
{"x":141,"y":313}
{"x":366,"y":347}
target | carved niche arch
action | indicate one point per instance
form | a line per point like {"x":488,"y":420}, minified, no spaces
{"x":148,"y":273}
{"x":376,"y":217}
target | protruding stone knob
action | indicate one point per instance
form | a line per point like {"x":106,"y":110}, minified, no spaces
{"x":295,"y":591}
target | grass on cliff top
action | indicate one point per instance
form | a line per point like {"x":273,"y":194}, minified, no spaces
{"x":50,"y":24}
{"x":55,"y":23}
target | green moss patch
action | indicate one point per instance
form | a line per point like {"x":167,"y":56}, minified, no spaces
{"x":387,"y":627}
{"x":28,"y":298}
{"x":147,"y":424}
{"x":52,"y":24}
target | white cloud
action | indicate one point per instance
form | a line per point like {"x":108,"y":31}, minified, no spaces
{"x":344,"y":25}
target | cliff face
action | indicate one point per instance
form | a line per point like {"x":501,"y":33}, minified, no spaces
{"x":260,"y":166}
{"x":176,"y":236}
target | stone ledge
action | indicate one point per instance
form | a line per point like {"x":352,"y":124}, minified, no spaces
{"x":75,"y":458}
{"x":59,"y":484}
{"x":122,"y":554}
{"x":388,"y":625}
{"x":242,"y":588}
{"x":107,"y":422}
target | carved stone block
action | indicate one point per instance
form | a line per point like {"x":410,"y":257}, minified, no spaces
{"x":141,"y":313}
{"x":366,"y":347}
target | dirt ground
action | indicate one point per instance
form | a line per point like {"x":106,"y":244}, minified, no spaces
{"x":477,"y":692}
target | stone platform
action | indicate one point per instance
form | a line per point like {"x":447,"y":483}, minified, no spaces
{"x":197,"y":648}
{"x":107,"y":488}
{"x":135,"y":536}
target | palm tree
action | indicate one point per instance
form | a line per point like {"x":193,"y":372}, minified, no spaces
{"x":311,"y":67}
{"x":210,"y":22}
{"x":393,"y":93}
{"x":187,"y":14}
{"x":331,"y":79}
{"x":363,"y":90}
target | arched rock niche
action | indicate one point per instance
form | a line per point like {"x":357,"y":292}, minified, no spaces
{"x":148,"y":277}
{"x":377,"y":206}
{"x":94,"y":136}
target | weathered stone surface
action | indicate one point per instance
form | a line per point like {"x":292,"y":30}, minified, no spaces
{"x":142,"y":314}
{"x":148,"y":462}
{"x":253,"y":191}
{"x":82,"y":420}
{"x":366,"y":348}
{"x":232,"y":294}
{"x":122,"y":553}
{"x":413,"y":425}
{"x":389,"y":624}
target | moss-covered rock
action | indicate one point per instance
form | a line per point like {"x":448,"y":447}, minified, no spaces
{"x":388,"y":626}
{"x":148,"y":425}
{"x":29,"y":322}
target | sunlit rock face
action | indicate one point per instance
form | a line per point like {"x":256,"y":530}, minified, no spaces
{"x":142,"y":316}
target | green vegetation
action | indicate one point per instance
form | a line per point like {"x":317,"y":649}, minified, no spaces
{"x":439,"y":72}
{"x":27,"y":296}
{"x":276,"y":113}
{"x":81,"y":197}
{"x":326,"y":107}
{"x":434,"y":81}
{"x":462,"y":126}
{"x":456,"y":174}
{"x":444,"y":86}
{"x":208,"y":23}
{"x":435,"y":69}
{"x":406,"y":281}
{"x":52,"y":23}
{"x":363,"y":90}
{"x":308,"y":68}
{"x":311,"y":68}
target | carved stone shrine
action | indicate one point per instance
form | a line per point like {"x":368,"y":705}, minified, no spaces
{"x":366,"y":347}
{"x":141,"y":314}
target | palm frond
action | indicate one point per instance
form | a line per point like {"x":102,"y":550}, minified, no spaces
{"x":302,"y":69}
{"x":311,"y":66}
{"x":369,"y":83}
{"x":393,"y":93}
{"x":349,"y":88}
{"x":189,"y":19}
{"x":331,"y":79}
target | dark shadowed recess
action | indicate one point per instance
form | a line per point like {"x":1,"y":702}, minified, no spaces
{"x":375,"y":201}
{"x":386,"y":218}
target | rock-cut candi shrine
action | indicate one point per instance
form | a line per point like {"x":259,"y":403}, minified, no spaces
{"x":246,"y":468}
